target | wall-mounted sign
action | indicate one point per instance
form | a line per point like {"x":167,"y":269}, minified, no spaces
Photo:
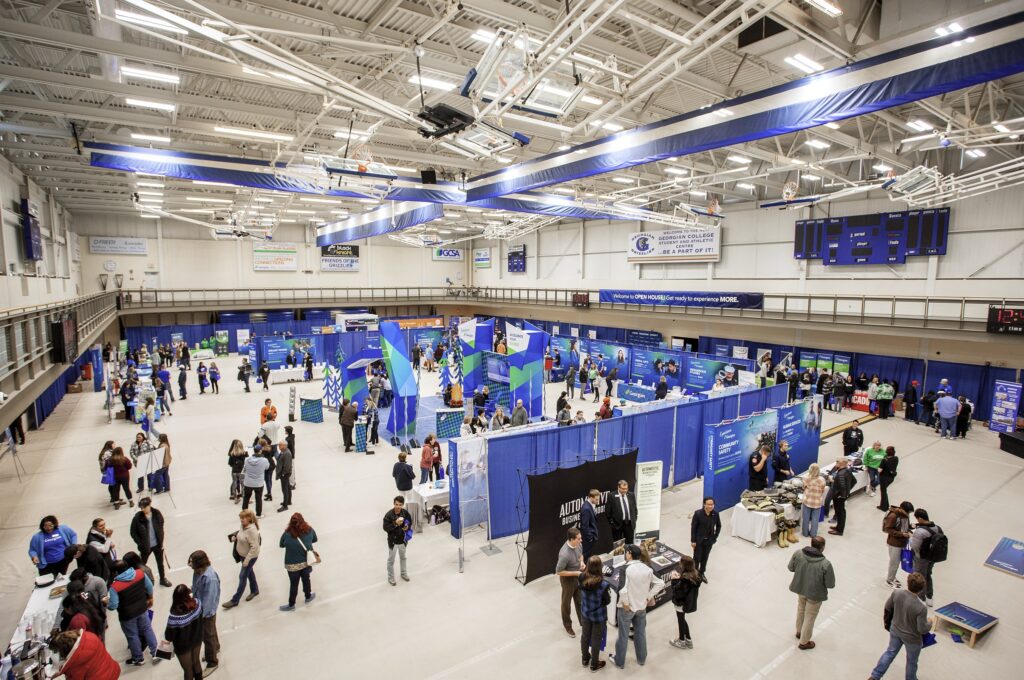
{"x":339,"y":257}
{"x":689,"y":245}
{"x":482,"y":258}
{"x":32,"y":235}
{"x":517,"y":259}
{"x":117,"y":245}
{"x":275,"y":257}
{"x":448,"y":254}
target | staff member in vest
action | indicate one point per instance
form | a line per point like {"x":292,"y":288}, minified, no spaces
{"x":705,"y":527}
{"x":621,"y":513}
{"x":129,"y":596}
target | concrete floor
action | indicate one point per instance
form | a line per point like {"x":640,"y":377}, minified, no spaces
{"x":482,"y":622}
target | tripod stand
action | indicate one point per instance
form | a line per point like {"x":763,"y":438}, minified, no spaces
{"x":12,"y":448}
{"x":151,"y":470}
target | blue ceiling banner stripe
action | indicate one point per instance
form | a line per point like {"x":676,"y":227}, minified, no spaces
{"x":384,"y":220}
{"x":917,"y":73}
{"x":184,"y":155}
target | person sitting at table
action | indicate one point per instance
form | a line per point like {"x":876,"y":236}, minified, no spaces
{"x":499,"y":420}
{"x":47,"y":547}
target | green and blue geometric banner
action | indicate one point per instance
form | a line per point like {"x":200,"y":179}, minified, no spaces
{"x":393,"y":345}
{"x":475,"y":337}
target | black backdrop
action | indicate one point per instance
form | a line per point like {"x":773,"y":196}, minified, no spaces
{"x":556,"y":499}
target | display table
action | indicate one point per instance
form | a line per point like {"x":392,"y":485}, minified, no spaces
{"x":961,"y":616}
{"x":281,"y":375}
{"x":664,"y":561}
{"x":197,"y":355}
{"x":424,"y":497}
{"x":634,"y":392}
{"x":757,"y":526}
{"x":861,"y":478}
{"x":41,"y":610}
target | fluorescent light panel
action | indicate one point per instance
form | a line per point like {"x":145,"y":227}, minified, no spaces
{"x":745,"y":185}
{"x":817,"y":144}
{"x":432,"y":83}
{"x":810,"y":178}
{"x":147,"y":21}
{"x":829,"y":7}
{"x":207,"y":183}
{"x":254,"y":134}
{"x":623,"y":180}
{"x":153,"y":185}
{"x":151,"y":138}
{"x":882,"y":167}
{"x":976,"y":153}
{"x":675,"y":171}
{"x":206,"y":199}
{"x":146,"y":104}
{"x":146,"y":74}
{"x":920,"y":125}
{"x":738,"y":159}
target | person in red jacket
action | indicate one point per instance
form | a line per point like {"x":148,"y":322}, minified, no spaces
{"x":606,"y":409}
{"x":84,"y":657}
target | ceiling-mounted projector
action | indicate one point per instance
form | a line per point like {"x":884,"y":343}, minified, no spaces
{"x":447,"y":119}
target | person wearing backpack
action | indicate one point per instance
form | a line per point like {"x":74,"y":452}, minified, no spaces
{"x":930,"y":545}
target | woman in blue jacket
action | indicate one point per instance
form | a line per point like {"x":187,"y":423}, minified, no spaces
{"x":48,"y":546}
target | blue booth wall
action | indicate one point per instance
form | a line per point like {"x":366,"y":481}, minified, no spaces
{"x":48,"y":400}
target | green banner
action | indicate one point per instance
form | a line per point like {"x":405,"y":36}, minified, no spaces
{"x":222,"y":343}
{"x":808,"y":359}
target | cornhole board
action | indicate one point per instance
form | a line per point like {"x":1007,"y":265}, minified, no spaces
{"x":961,"y":616}
{"x":1007,"y":557}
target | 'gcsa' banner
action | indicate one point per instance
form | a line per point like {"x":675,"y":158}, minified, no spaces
{"x":678,"y":298}
{"x":450,"y":254}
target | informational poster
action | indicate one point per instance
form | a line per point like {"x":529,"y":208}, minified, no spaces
{"x":702,"y":373}
{"x":469,"y":482}
{"x":841,"y":364}
{"x":1005,"y":405}
{"x":801,"y":429}
{"x":675,"y":245}
{"x":176,"y":338}
{"x":275,"y":257}
{"x":650,"y":365}
{"x":824,"y":362}
{"x":222,"y":343}
{"x":481,"y":258}
{"x":117,"y":245}
{"x":339,"y":257}
{"x":808,"y":360}
{"x":727,"y":448}
{"x":785,"y":360}
{"x":1008,"y":556}
{"x":648,"y":500}
{"x":647,"y":338}
{"x":242,"y":338}
{"x":609,"y":355}
{"x":739,"y":352}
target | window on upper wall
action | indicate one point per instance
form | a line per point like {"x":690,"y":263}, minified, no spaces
{"x":4,"y":356}
{"x":19,"y":339}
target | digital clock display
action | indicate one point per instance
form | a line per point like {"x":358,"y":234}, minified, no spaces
{"x":1005,"y":320}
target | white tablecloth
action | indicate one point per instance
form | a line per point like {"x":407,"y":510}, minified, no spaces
{"x":39,"y":603}
{"x":758,"y":526}
{"x":424,"y":497}
{"x":280,"y":375}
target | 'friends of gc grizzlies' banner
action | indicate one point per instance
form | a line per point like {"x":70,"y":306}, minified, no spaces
{"x":339,"y":257}
{"x":681,"y":298}
{"x":556,"y":503}
{"x":728,"y":447}
{"x":802,"y":430}
{"x":675,"y":245}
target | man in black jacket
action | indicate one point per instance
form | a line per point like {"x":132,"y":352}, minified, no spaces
{"x":347,"y":417}
{"x":403,"y":473}
{"x":661,"y":390}
{"x":396,"y":521}
{"x":147,"y":530}
{"x":90,"y":559}
{"x":705,"y":527}
{"x":843,"y":482}
{"x":284,"y":473}
{"x":588,"y":522}
{"x":620,"y":509}
{"x":910,"y":401}
{"x":853,"y":438}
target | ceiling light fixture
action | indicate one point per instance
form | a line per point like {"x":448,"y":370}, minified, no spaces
{"x":147,"y":21}
{"x":920,"y":125}
{"x":150,"y":193}
{"x":254,"y":134}
{"x":832,"y":126}
{"x":827,"y":6}
{"x":433,"y":83}
{"x":146,"y":74}
{"x":810,"y":178}
{"x":676,"y":171}
{"x":206,"y":183}
{"x":805,"y":64}
{"x":738,"y":159}
{"x":745,"y":185}
{"x":564,"y":147}
{"x":623,"y":180}
{"x":817,"y":144}
{"x":594,"y":101}
{"x":151,"y":138}
{"x":976,"y":153}
{"x":206,"y":199}
{"x":149,"y":216}
{"x":882,"y":167}
{"x":146,"y":104}
{"x":328,"y":201}
{"x":483,"y":36}
{"x":698,"y":192}
{"x":154,"y":185}
{"x":147,"y":199}
{"x":723,"y":113}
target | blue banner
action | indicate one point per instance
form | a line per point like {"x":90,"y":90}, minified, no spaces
{"x":728,"y":447}
{"x":1008,"y":556}
{"x":561,"y":351}
{"x":646,"y":338}
{"x":800,"y":427}
{"x":683,"y":298}
{"x":702,"y":373}
{"x":649,"y":365}
{"x":1005,"y":405}
{"x":609,"y":355}
{"x":722,"y":350}
{"x":274,"y":349}
{"x":426,"y":338}
{"x":637,"y":393}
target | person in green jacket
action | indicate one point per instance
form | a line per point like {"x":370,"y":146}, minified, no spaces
{"x":813,"y":577}
{"x":872,"y":460}
{"x":883,"y":397}
{"x":592,"y":378}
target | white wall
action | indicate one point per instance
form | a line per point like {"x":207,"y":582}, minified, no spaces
{"x":185,"y":256}
{"x":24,"y":282}
{"x":757,"y":255}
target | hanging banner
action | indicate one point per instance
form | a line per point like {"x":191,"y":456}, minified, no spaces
{"x":427,"y":322}
{"x":647,"y":338}
{"x":680,"y":298}
{"x":799,"y":426}
{"x":1005,"y":405}
{"x":275,"y":257}
{"x":339,"y":257}
{"x":468,"y":483}
{"x":824,"y":361}
{"x":648,"y":500}
{"x":675,"y":245}
{"x":728,"y":447}
{"x":808,"y":360}
{"x":222,"y":343}
{"x":474,"y":339}
{"x":702,"y":373}
{"x":841,"y":364}
{"x":481,"y":258}
{"x":739,"y":352}
{"x":650,"y":365}
{"x":117,"y":245}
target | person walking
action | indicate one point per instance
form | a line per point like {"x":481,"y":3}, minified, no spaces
{"x":163,"y":394}
{"x":265,"y":376}
{"x":121,"y":466}
{"x":906,"y":619}
{"x":184,"y":631}
{"x":246,"y":550}
{"x":206,"y":587}
{"x":398,"y":527}
{"x":214,"y":377}
{"x":568,"y":568}
{"x":813,"y":576}
{"x":297,"y":541}
{"x":245,"y":373}
{"x":164,"y":459}
{"x":149,"y":424}
{"x":105,"y":453}
{"x":896,"y":526}
{"x":129,"y":595}
{"x":843,"y":482}
{"x":621,"y":513}
{"x":48,"y":547}
{"x":147,"y":530}
{"x":347,"y":419}
{"x":686,"y":582}
{"x":588,"y":522}
{"x":595,"y":596}
{"x":705,"y":526}
{"x":948,"y":409}
{"x":426,"y":459}
{"x":403,"y":473}
{"x":873,"y":457}
{"x":182,"y":383}
{"x":284,"y":474}
{"x":570,"y":381}
{"x":236,"y":461}
{"x":853,"y":438}
{"x":887,"y":475}
{"x":930,"y":545}
{"x":253,"y":473}
{"x":202,"y":377}
{"x":639,"y":588}
{"x":910,"y":401}
{"x":814,"y":494}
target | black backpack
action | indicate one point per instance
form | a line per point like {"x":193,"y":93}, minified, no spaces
{"x":935,"y":547}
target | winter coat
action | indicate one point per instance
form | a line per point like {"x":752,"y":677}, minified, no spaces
{"x":812,"y":574}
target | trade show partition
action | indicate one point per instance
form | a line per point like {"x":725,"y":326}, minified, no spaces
{"x":669,"y":431}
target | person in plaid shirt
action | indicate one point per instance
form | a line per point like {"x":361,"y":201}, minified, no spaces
{"x":814,"y":494}
{"x":596,"y":592}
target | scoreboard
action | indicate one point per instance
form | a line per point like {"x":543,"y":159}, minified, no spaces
{"x":885,"y":238}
